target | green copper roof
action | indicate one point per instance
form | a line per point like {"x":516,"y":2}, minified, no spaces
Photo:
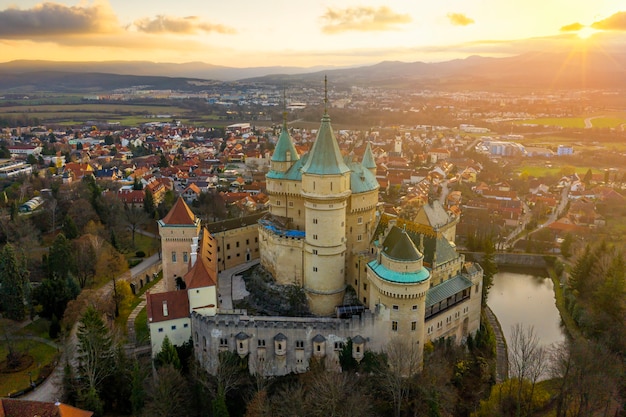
{"x":284,"y":146}
{"x":361,"y":179}
{"x":398,"y":246}
{"x":399,"y":277}
{"x":325,"y":157}
{"x":294,"y":173}
{"x":447,"y":289}
{"x":368,"y":158}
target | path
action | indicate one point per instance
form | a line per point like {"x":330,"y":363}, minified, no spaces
{"x":588,"y":124}
{"x":130,"y":324}
{"x":50,"y":389}
{"x":502,"y":357}
{"x":227,"y":286}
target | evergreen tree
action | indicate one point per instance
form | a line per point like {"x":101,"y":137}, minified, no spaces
{"x":95,"y":350}
{"x":168,"y":355}
{"x":566,"y":245}
{"x":137,"y":391}
{"x":69,"y":228}
{"x":13,"y":280}
{"x":588,"y":177}
{"x":60,"y":259}
{"x":148,"y":203}
{"x":580,"y":272}
{"x":490,"y":268}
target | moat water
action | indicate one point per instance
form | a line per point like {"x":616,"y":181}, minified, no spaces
{"x":526,"y":298}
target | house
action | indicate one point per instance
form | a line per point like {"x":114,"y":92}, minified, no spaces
{"x":11,"y":407}
{"x":191,"y":193}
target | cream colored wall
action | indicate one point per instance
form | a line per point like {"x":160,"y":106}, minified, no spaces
{"x":200,"y":298}
{"x":233,"y":245}
{"x":445,"y":271}
{"x":177,"y":336}
{"x":282,"y":257}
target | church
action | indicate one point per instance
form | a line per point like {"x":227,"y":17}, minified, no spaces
{"x":323,"y":233}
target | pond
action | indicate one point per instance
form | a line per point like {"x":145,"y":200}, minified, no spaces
{"x":526,"y":298}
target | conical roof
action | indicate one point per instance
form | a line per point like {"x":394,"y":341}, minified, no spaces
{"x":325,"y":157}
{"x":398,"y":245}
{"x":368,"y":158}
{"x":180,"y":214}
{"x":284,"y":146}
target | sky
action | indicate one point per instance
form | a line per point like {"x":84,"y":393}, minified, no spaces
{"x":301,"y":33}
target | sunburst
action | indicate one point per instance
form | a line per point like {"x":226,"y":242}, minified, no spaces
{"x":586,"y":32}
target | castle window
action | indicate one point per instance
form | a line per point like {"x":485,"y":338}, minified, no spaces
{"x":237,"y":244}
{"x":413,"y":325}
{"x":291,"y":204}
{"x":394,"y":326}
{"x":278,"y":202}
{"x":173,"y":256}
{"x":319,"y":348}
{"x":223,"y":342}
{"x":364,"y":300}
{"x":314,"y":185}
{"x":314,"y":251}
{"x":299,"y":344}
{"x":415,"y":307}
{"x":160,"y":329}
{"x":247,"y":242}
{"x":358,"y":349}
{"x":314,"y":269}
{"x":173,"y":327}
{"x":359,"y":238}
{"x":359,"y":220}
{"x":314,"y":237}
{"x":228,"y":246}
{"x":261,"y":342}
{"x":365,"y":287}
{"x":185,"y":257}
{"x":314,"y":221}
{"x":256,"y":240}
{"x":395,"y":307}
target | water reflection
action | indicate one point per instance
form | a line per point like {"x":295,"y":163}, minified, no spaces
{"x":527,"y":299}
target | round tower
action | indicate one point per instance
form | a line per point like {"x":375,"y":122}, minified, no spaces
{"x":399,"y":283}
{"x":325,"y":190}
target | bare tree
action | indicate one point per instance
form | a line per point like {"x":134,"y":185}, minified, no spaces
{"x":135,"y":218}
{"x":527,"y":360}
{"x":404,"y":360}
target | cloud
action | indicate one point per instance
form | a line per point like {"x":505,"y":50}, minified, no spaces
{"x":52,"y":19}
{"x":179,"y":25}
{"x":362,"y":19}
{"x":573,"y":27}
{"x":614,"y":22}
{"x":459,"y":19}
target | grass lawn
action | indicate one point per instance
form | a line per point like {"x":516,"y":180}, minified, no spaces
{"x":38,"y":328}
{"x":42,"y":354}
{"x":542,"y":171}
{"x":128,"y":307}
{"x":142,"y":332}
{"x":610,"y":122}
{"x":572,"y":122}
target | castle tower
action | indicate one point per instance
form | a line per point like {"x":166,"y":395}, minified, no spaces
{"x":399,"y":283}
{"x":368,"y":161}
{"x":179,"y":230}
{"x":325,"y":189}
{"x":285,"y":154}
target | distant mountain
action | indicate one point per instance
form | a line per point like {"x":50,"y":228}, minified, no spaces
{"x":528,"y":71}
{"x":185,"y":70}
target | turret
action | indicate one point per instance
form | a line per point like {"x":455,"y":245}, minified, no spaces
{"x":368,"y":161}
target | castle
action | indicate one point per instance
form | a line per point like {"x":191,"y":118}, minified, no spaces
{"x":323,"y":233}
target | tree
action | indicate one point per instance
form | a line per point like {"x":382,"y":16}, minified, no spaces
{"x":138,"y":392}
{"x":527,"y":361}
{"x":60,"y":258}
{"x":403,"y":361}
{"x":588,"y":177}
{"x":95,"y":350}
{"x":167,"y":394}
{"x":135,"y":218}
{"x":148,"y":203}
{"x":69,"y":228}
{"x":137,"y":185}
{"x":13,"y":282}
{"x":566,"y":245}
{"x":84,"y":266}
{"x":490,"y":268}
{"x":168,"y":355}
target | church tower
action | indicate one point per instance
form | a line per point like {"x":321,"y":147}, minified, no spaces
{"x":325,"y":189}
{"x":179,"y":231}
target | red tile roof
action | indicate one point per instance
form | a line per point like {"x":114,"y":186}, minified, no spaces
{"x":10,"y":407}
{"x":200,"y":275}
{"x":180,"y":214}
{"x":177,"y":305}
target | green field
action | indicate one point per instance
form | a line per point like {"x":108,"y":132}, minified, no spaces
{"x":42,"y":355}
{"x":613,"y":121}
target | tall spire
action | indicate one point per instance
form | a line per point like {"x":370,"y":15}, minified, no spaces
{"x":368,"y":159}
{"x":325,"y":94}
{"x":284,"y":151}
{"x":325,"y":156}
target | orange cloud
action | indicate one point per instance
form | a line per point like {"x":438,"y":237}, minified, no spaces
{"x":363,"y":19}
{"x":179,"y":25}
{"x":459,"y":19}
{"x":573,"y":27}
{"x":614,"y":22}
{"x":52,"y":19}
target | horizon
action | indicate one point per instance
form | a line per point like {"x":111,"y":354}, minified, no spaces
{"x":244,"y":34}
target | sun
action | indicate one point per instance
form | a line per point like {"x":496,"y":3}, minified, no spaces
{"x":586,"y":32}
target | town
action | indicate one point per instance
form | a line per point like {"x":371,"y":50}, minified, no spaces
{"x":90,"y":209}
